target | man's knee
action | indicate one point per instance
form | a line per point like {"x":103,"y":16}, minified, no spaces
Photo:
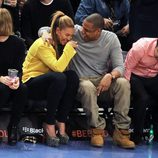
{"x":123,"y":83}
{"x":86,"y":86}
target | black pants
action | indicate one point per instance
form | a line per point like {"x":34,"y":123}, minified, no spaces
{"x":145,"y":93}
{"x":18,"y":97}
{"x":59,"y":89}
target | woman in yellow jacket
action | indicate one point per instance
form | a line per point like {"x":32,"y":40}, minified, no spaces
{"x":44,"y":74}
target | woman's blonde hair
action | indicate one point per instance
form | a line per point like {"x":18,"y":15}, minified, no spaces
{"x":6,"y":24}
{"x":61,"y":21}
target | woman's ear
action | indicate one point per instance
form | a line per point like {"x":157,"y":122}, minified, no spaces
{"x":57,"y":31}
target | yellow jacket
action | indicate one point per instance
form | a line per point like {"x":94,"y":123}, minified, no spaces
{"x":41,"y":58}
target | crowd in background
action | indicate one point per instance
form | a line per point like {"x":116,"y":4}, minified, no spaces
{"x":101,"y":26}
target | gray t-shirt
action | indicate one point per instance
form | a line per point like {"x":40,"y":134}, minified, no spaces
{"x":93,"y":58}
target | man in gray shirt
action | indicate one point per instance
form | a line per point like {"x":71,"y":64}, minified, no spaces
{"x":97,"y":49}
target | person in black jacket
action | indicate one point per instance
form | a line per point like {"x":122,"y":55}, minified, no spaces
{"x":37,"y":13}
{"x":12,"y":51}
{"x":143,"y":19}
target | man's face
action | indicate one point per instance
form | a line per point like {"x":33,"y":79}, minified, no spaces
{"x":89,"y":32}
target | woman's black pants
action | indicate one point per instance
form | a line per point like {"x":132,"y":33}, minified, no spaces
{"x":59,"y":90}
{"x":19,"y":99}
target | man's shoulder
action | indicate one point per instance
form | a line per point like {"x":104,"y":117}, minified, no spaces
{"x":108,"y":34}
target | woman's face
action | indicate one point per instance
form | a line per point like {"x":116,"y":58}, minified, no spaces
{"x":65,"y":35}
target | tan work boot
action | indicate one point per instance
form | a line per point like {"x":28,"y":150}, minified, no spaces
{"x":97,"y":137}
{"x":121,"y":138}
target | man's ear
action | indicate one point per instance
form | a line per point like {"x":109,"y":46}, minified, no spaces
{"x":98,"y":31}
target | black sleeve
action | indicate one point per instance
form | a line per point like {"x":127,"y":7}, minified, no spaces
{"x":26,"y":30}
{"x":19,"y":56}
{"x":68,"y":10}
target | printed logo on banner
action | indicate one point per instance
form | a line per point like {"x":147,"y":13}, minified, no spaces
{"x":32,"y":130}
{"x":3,"y":133}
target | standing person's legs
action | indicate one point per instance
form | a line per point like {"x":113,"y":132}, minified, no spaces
{"x":87,"y":94}
{"x":140,"y":99}
{"x":152,"y":88}
{"x":154,"y":113}
{"x":120,"y":92}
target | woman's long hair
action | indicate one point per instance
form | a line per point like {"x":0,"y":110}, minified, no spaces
{"x":61,"y":21}
{"x":6,"y":24}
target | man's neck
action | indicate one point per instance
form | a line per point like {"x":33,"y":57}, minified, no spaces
{"x":46,"y":1}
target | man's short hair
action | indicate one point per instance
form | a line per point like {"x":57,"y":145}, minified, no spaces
{"x":96,"y":19}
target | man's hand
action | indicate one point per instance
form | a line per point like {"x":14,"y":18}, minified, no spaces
{"x":104,"y":83}
{"x":124,"y":31}
{"x":108,"y":23}
{"x":47,"y":37}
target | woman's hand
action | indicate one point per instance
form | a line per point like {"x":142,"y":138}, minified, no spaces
{"x":15,"y":84}
{"x":73,"y":44}
{"x":6,"y":80}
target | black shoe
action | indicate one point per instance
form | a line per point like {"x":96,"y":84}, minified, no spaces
{"x":12,"y":135}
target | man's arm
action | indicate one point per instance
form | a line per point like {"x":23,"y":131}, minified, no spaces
{"x":86,"y":7}
{"x":26,"y":25}
{"x":116,"y":59}
{"x":132,"y":59}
